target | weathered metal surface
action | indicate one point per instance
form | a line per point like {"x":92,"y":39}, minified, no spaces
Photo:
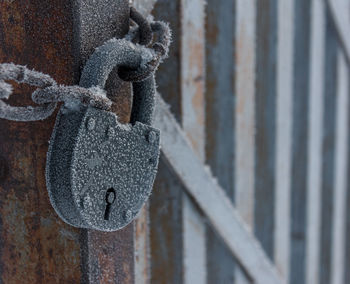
{"x":328,"y":151}
{"x":168,"y":75}
{"x":244,"y":89}
{"x":181,"y":82}
{"x":220,"y":92}
{"x":192,"y":74}
{"x":220,"y":261}
{"x":194,"y":243}
{"x":339,"y":10}
{"x":166,"y":227}
{"x":106,"y":256}
{"x":142,"y":247}
{"x":284,"y":93}
{"x":211,"y":199}
{"x":340,"y":177}
{"x":219,"y":114}
{"x":166,"y":232}
{"x":347,"y":225}
{"x":3,"y":169}
{"x":96,"y":22}
{"x":245,"y":108}
{"x":315,"y":132}
{"x":36,"y":246}
{"x":265,"y":123}
{"x":300,"y":137}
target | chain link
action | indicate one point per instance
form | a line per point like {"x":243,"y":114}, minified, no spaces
{"x":49,"y":92}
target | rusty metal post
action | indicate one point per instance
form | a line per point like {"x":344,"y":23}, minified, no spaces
{"x":55,"y":37}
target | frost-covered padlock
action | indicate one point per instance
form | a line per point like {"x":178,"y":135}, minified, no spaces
{"x":100,"y":172}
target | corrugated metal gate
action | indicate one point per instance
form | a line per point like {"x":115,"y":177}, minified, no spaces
{"x":253,"y":180}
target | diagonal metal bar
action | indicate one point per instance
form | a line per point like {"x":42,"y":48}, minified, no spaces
{"x":211,"y":198}
{"x":339,"y":9}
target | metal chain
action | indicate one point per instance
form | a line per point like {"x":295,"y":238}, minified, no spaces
{"x":49,"y":92}
{"x":160,"y":48}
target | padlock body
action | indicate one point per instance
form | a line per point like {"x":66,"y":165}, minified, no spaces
{"x":100,"y":172}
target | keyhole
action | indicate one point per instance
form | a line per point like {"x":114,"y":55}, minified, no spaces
{"x":110,"y":198}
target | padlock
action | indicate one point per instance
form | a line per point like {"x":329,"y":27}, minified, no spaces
{"x":100,"y":172}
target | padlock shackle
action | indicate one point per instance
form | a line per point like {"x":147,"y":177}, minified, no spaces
{"x":122,"y":53}
{"x":143,"y":101}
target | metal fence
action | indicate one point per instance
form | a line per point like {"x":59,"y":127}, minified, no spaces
{"x":260,"y":89}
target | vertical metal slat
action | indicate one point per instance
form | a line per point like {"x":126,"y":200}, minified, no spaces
{"x":315,"y":134}
{"x":302,"y":12}
{"x":265,"y":124}
{"x":341,"y":171}
{"x":244,"y":112}
{"x":193,"y":122}
{"x":166,"y":215}
{"x":285,"y":28}
{"x":220,"y":123}
{"x":328,"y":151}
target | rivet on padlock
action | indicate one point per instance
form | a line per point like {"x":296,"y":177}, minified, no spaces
{"x":100,"y":172}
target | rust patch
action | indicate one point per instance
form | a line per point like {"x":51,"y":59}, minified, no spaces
{"x":35,"y":245}
{"x":195,"y":88}
{"x":166,"y":228}
{"x":110,"y":256}
{"x":142,"y":250}
{"x":32,"y":249}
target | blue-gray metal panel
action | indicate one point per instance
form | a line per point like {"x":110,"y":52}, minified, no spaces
{"x":315,"y":130}
{"x":300,"y":138}
{"x":347,"y":225}
{"x":220,"y":123}
{"x":341,"y":170}
{"x":265,"y":115}
{"x":166,"y":227}
{"x":284,"y":97}
{"x":166,"y":215}
{"x":328,"y":146}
